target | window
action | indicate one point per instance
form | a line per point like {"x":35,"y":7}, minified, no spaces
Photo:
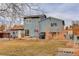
{"x":54,"y":33}
{"x":29,"y":20}
{"x":53,"y":24}
{"x":71,"y":37}
{"x":13,"y":32}
{"x":63,"y":23}
{"x":42,"y":35}
{"x":27,"y":32}
{"x":78,"y":37}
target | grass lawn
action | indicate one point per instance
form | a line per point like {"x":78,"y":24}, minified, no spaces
{"x":29,"y":47}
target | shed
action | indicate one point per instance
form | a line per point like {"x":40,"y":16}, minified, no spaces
{"x":17,"y":31}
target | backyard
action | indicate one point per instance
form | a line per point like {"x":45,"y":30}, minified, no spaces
{"x":30,"y":47}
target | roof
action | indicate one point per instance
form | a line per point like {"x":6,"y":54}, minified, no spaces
{"x":4,"y":32}
{"x":17,"y":27}
{"x":2,"y":27}
{"x":35,"y":16}
{"x":55,"y":18}
{"x":52,"y":18}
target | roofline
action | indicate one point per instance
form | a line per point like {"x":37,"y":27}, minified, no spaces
{"x":56,"y":18}
{"x":16,"y":29}
{"x":51,"y":18}
{"x":34,"y":16}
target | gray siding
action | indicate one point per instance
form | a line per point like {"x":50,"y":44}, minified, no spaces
{"x":46,"y":25}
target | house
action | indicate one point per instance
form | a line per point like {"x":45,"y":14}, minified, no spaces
{"x":3,"y":33}
{"x":73,"y":32}
{"x":17,"y":31}
{"x":31,"y":25}
{"x":40,"y":25}
{"x":75,"y":29}
{"x":51,"y":27}
{"x":68,"y":33}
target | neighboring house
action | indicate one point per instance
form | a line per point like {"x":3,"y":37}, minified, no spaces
{"x":68,"y":33}
{"x":17,"y":31}
{"x":3,"y":33}
{"x":75,"y":28}
{"x":51,"y":27}
{"x":73,"y":33}
{"x":31,"y":25}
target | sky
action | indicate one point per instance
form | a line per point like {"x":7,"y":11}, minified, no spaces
{"x":64,"y":11}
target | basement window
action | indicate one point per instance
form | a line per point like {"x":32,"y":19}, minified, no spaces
{"x":78,"y":38}
{"x":63,"y":23}
{"x":27,"y":32}
{"x":71,"y":37}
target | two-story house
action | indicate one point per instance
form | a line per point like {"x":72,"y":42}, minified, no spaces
{"x":40,"y":26}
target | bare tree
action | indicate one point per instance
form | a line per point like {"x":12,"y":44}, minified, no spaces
{"x":11,"y":11}
{"x":36,"y":8}
{"x":14,"y":11}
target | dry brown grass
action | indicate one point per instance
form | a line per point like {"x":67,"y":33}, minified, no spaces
{"x":30,"y":47}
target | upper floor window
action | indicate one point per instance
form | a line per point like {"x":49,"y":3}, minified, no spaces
{"x":63,"y":23}
{"x":28,"y":21}
{"x":53,"y":24}
{"x":13,"y":32}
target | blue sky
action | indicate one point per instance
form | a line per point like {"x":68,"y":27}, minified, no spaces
{"x":65,"y":11}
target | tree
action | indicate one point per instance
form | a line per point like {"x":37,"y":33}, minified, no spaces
{"x":11,"y":11}
{"x":17,"y":10}
{"x":35,"y":7}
